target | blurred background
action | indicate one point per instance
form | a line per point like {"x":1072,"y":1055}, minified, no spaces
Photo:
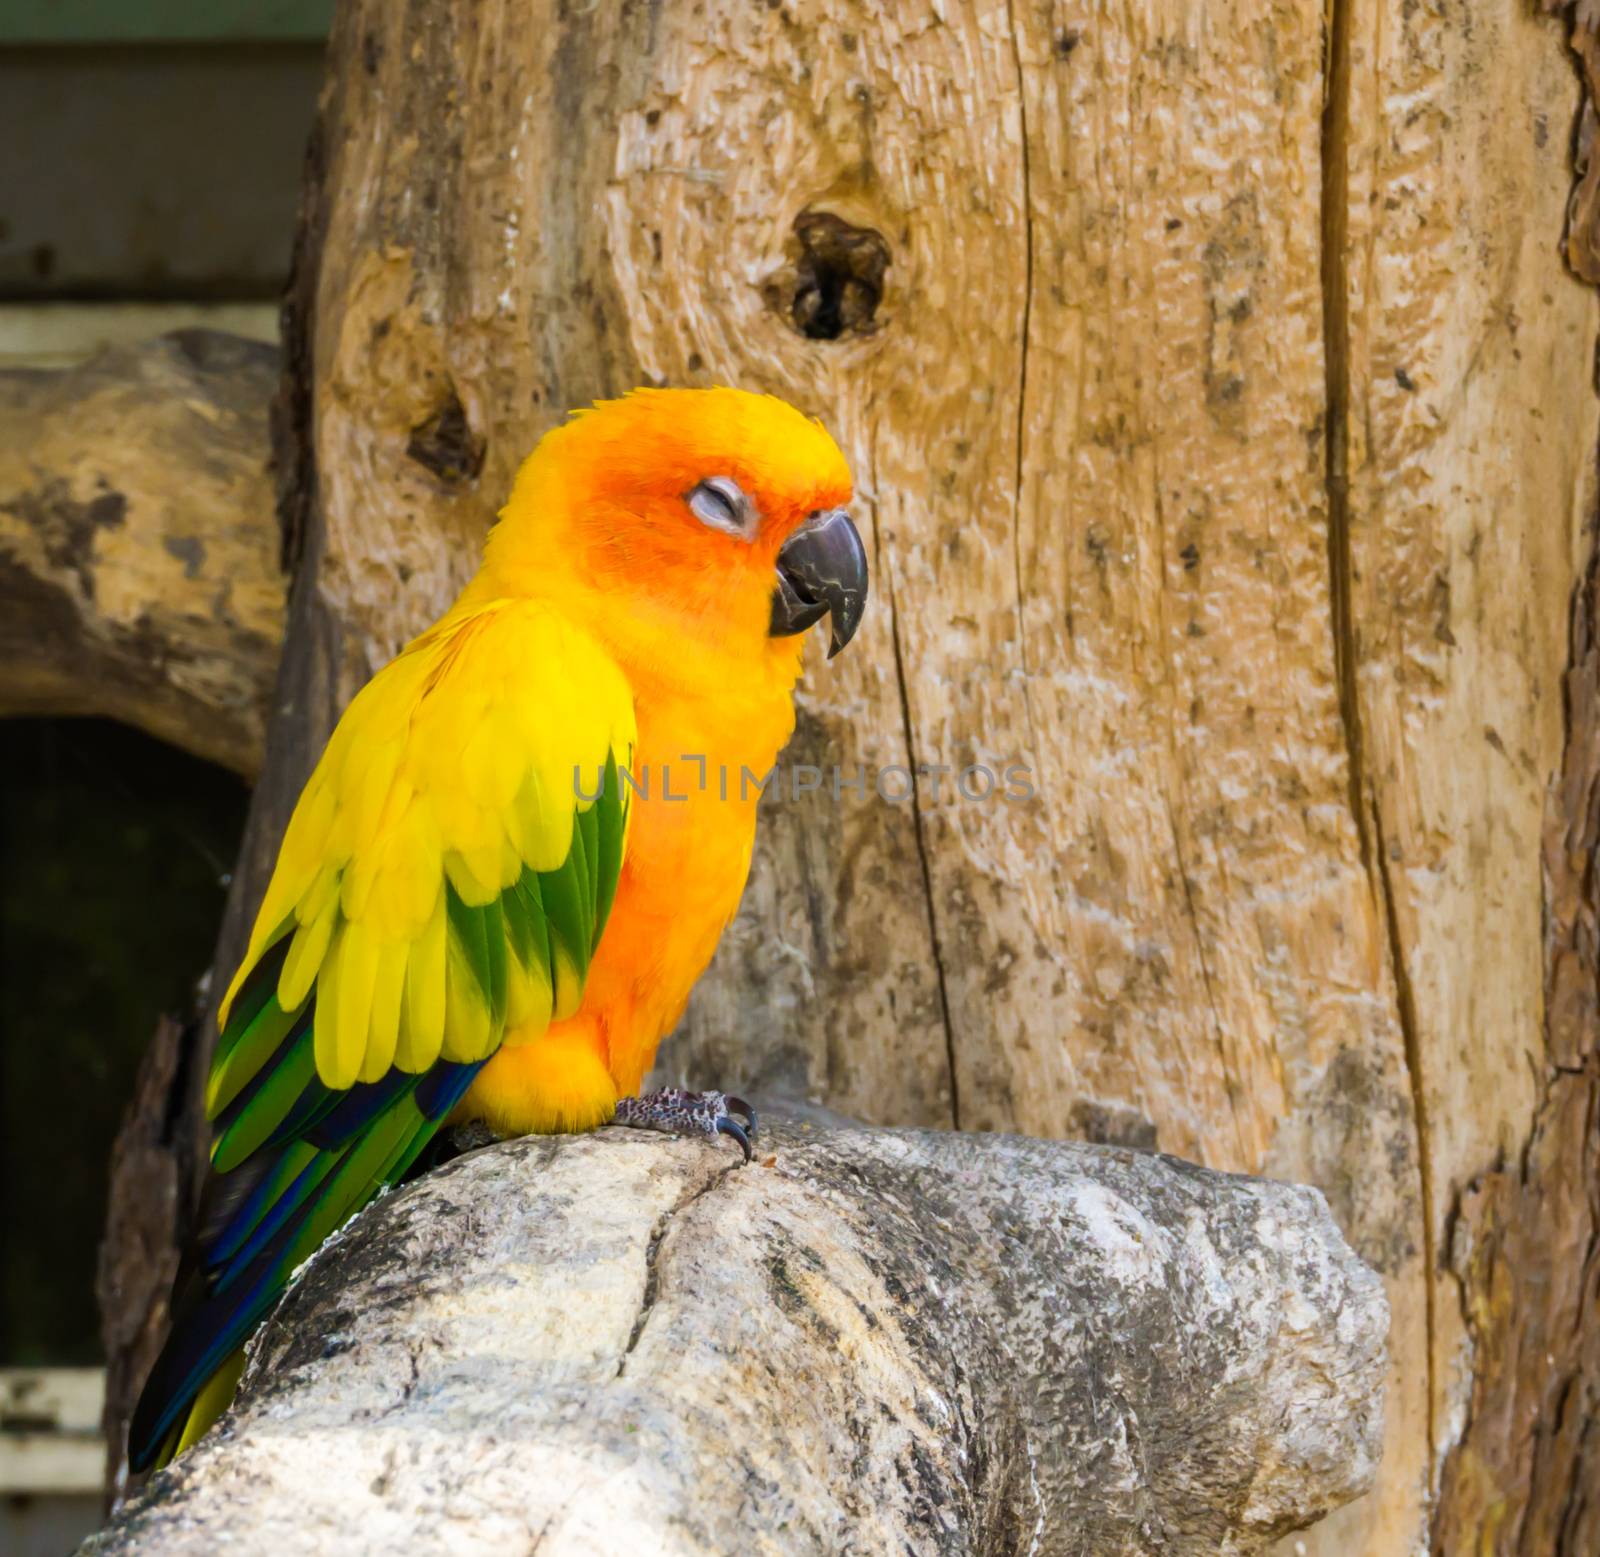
{"x":150,"y":159}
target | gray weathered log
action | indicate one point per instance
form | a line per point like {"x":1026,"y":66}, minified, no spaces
{"x":868,"y":1341}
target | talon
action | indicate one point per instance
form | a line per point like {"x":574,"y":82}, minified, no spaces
{"x":676,"y":1111}
{"x":727,"y":1126}
{"x":737,"y":1105}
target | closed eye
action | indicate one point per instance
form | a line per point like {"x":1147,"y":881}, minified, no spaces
{"x":721,"y":503}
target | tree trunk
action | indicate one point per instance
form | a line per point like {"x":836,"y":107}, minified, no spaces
{"x":1222,"y":414}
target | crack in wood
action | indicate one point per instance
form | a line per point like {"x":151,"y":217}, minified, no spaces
{"x":917,"y":829}
{"x":1027,"y":321}
{"x":1335,"y":154}
{"x":1405,"y":998}
{"x":652,"y":1254}
{"x":880,"y":570}
{"x":922,"y":859}
{"x":1336,"y":360}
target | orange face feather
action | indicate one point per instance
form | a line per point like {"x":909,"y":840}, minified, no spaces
{"x":598,"y":520}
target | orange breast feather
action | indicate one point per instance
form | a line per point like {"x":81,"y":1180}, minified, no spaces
{"x":707,"y":735}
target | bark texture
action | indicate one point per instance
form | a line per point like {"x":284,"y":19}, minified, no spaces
{"x":139,"y":544}
{"x":1524,"y":1233}
{"x":867,"y":1342}
{"x":154,"y":1163}
{"x":1222,"y":409}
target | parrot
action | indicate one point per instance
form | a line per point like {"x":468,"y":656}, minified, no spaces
{"x":518,"y":848}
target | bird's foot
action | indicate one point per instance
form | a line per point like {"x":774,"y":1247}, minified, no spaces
{"x":678,"y":1112}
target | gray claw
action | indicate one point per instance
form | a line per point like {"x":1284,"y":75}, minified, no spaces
{"x":737,"y":1105}
{"x":727,"y":1126}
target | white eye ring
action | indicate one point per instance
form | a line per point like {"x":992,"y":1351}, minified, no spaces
{"x":720,"y":503}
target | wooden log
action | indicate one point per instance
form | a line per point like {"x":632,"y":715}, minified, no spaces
{"x":867,"y":1341}
{"x":139,"y":547}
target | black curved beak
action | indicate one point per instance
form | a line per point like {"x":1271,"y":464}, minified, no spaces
{"x":822,"y":570}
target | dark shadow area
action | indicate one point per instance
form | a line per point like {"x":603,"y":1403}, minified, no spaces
{"x":114,"y":849}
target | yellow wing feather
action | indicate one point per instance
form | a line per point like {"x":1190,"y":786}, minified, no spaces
{"x":451,"y":769}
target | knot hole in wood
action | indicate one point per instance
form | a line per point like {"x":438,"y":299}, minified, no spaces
{"x":445,"y":444}
{"x":835,"y":283}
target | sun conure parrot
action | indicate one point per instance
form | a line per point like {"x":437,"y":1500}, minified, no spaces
{"x":491,"y":900}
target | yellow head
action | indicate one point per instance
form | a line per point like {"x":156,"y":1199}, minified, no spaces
{"x":708,"y":517}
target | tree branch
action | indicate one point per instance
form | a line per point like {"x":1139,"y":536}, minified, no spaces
{"x":139,"y":543}
{"x":869,"y":1340}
